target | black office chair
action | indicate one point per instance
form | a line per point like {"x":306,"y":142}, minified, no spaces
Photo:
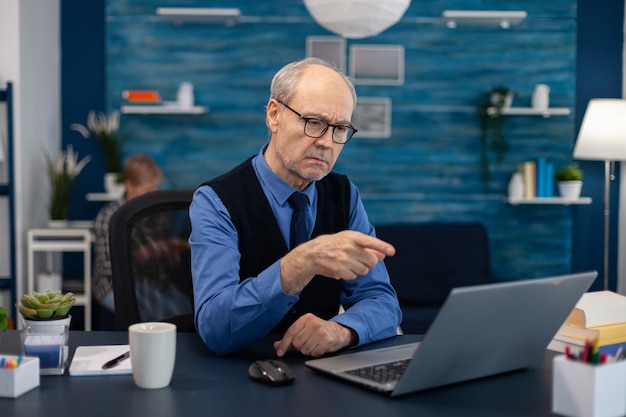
{"x":150,"y":259}
{"x":430,"y":260}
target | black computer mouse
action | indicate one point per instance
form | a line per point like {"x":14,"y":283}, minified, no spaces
{"x":271,"y":372}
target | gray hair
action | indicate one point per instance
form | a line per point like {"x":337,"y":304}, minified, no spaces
{"x":283,"y":87}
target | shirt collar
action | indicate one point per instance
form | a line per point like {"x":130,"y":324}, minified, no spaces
{"x":275,"y":185}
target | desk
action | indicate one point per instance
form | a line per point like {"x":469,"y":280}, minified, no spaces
{"x":205,"y":385}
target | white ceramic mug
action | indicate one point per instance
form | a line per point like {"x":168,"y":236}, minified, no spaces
{"x":152,"y":353}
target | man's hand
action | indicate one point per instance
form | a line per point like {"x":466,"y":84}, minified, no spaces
{"x":343,"y":255}
{"x":313,"y":336}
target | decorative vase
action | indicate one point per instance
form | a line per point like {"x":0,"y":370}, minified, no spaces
{"x":541,"y":97}
{"x":47,"y":339}
{"x":111,"y":184}
{"x":570,"y":190}
{"x":57,"y":224}
{"x":516,"y":187}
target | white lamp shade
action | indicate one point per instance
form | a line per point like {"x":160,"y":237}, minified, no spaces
{"x":602,"y":135}
{"x":356,"y":19}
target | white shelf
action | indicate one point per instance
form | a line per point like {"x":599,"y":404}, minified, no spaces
{"x":102,"y":197}
{"x":503,"y":18}
{"x":162,"y":109}
{"x":62,"y":240}
{"x":550,"y":200}
{"x":530,"y":111}
{"x":226,"y":16}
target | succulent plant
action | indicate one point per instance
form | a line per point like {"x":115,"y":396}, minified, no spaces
{"x":46,"y":305}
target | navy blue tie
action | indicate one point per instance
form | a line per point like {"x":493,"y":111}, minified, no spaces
{"x":297,"y":232}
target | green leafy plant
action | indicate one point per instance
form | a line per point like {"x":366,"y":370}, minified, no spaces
{"x":46,"y":305}
{"x":3,"y":320}
{"x":62,"y":172}
{"x":571,"y":172}
{"x":492,"y":136}
{"x":105,"y":127}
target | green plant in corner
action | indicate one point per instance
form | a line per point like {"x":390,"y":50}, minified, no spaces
{"x":46,"y":305}
{"x":3,"y":320}
{"x":105,"y":127}
{"x":571,"y":172}
{"x":492,"y":128}
{"x":62,"y":172}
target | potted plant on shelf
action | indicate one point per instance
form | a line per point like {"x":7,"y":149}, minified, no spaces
{"x":492,"y":128}
{"x":105,"y":127}
{"x":62,"y":172}
{"x":52,"y":307}
{"x":570,"y":182}
{"x":4,"y":323}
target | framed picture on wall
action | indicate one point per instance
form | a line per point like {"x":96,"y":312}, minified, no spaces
{"x":372,"y":117}
{"x":377,"y":64}
{"x":329,"y":48}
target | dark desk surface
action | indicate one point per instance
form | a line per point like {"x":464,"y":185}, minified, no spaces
{"x":205,"y":385}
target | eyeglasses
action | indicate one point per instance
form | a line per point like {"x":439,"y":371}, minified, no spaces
{"x":316,"y":128}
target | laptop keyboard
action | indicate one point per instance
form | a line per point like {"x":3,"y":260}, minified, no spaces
{"x":382,"y":373}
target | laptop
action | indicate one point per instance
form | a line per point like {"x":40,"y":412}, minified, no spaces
{"x":480,"y":331}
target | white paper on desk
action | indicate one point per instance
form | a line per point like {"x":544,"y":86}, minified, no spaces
{"x":88,"y":360}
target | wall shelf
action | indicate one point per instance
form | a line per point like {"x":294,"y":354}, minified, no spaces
{"x":179,"y":15}
{"x":162,"y":109}
{"x":550,"y":200}
{"x":530,"y":111}
{"x":503,"y":18}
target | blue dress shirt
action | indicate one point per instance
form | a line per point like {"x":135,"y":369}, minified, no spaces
{"x":229,"y":314}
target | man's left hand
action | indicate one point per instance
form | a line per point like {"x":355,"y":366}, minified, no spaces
{"x":313,"y":336}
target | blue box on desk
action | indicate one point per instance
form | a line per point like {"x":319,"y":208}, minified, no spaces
{"x":16,"y":381}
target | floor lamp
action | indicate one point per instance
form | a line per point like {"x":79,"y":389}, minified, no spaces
{"x":602,"y":137}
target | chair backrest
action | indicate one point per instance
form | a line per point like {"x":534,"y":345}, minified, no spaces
{"x":430,"y":260}
{"x":150,"y":259}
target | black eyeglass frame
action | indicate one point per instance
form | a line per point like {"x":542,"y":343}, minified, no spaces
{"x":306,"y":120}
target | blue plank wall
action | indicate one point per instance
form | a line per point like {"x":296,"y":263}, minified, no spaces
{"x":427,"y":170}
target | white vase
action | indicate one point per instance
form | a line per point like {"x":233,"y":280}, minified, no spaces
{"x":541,"y":97}
{"x":516,"y":187}
{"x":57,"y":224}
{"x":570,"y":190}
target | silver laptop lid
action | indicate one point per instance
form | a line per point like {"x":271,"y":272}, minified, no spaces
{"x":488,"y":329}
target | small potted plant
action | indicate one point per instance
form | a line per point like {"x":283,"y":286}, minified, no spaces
{"x":492,"y":127}
{"x":4,"y":324}
{"x":105,"y":127}
{"x":570,"y":181}
{"x":46,"y":306}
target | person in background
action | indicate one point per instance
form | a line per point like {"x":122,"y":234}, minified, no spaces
{"x":249,"y":280}
{"x":141,"y":174}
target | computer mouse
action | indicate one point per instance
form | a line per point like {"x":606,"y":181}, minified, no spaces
{"x":271,"y":372}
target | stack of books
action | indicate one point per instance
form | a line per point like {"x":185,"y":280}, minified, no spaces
{"x":538,"y":178}
{"x":599,"y":317}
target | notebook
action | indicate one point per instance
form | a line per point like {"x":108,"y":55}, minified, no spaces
{"x":88,"y":360}
{"x":480,"y":331}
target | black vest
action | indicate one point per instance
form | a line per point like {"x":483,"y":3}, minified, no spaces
{"x":260,"y":240}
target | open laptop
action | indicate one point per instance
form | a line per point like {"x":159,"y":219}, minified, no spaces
{"x":480,"y":330}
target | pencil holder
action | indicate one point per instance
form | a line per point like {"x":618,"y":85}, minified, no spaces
{"x":17,"y":378}
{"x":581,"y":389}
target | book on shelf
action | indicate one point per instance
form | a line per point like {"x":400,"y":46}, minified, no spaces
{"x":538,"y":177}
{"x":141,"y":96}
{"x":599,"y":308}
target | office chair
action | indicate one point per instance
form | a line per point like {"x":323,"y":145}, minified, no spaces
{"x":430,"y":260}
{"x":150,"y":259}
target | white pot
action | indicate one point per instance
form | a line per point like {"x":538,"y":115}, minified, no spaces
{"x":111,"y":186}
{"x":41,"y":325}
{"x":570,"y":190}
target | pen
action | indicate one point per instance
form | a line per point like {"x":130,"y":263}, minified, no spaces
{"x":115,"y":361}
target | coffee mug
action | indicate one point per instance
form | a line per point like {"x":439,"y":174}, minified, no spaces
{"x":152,"y":353}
